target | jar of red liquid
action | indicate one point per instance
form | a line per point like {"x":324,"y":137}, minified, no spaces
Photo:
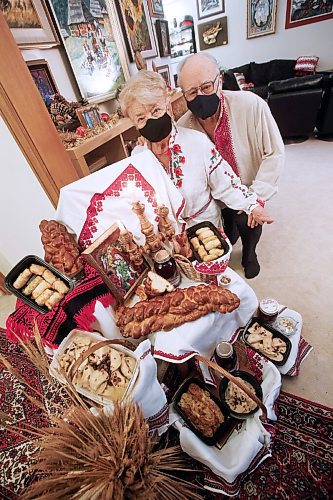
{"x":225,"y":356}
{"x":268,"y":310}
{"x":166,"y":266}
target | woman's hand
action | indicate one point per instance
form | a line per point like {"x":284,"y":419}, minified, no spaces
{"x":259,"y":216}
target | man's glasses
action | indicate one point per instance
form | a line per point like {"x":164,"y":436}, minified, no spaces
{"x":205,"y":88}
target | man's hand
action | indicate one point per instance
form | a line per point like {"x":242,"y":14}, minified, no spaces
{"x":259,"y":216}
{"x":141,"y":141}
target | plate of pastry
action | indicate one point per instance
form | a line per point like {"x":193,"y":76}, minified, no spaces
{"x":207,"y":242}
{"x":38,"y":284}
{"x":237,"y":401}
{"x":202,"y":412}
{"x":103,"y":375}
{"x":267,"y":341}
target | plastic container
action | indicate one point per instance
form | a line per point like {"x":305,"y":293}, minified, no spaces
{"x":24,"y":264}
{"x":247,"y":377}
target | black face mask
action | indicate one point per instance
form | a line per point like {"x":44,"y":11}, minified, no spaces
{"x":157,"y":129}
{"x":204,"y":106}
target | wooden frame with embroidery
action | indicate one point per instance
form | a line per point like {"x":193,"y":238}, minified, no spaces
{"x":107,"y":257}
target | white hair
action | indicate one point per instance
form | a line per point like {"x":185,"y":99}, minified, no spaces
{"x":199,"y":55}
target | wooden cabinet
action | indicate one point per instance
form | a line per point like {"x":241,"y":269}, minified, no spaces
{"x":113,"y":144}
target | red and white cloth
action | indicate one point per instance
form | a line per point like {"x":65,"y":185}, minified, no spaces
{"x":306,"y":65}
{"x":89,"y":206}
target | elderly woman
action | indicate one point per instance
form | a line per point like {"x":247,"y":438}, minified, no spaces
{"x":188,"y":156}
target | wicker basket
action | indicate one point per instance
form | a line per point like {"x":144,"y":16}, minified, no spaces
{"x":189,"y":271}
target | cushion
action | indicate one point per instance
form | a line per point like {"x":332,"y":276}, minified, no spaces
{"x":306,"y":65}
{"x":246,"y":69}
{"x":260,"y":73}
{"x":240,"y":78}
{"x":281,"y":69}
{"x":295,"y":84}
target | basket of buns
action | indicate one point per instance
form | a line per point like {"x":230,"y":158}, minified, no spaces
{"x":211,"y":249}
{"x":100,"y":369}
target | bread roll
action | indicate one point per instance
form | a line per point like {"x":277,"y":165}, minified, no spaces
{"x":55,"y":298}
{"x":201,"y":230}
{"x":43,"y":297}
{"x":49,"y":276}
{"x":207,"y":240}
{"x":42,"y":286}
{"x":60,"y":286}
{"x":202,"y":252}
{"x":22,"y":279}
{"x":36,"y":269}
{"x":206,"y":234}
{"x":208,"y":258}
{"x":217,"y":252}
{"x":213,"y":244}
{"x":195,"y":243}
{"x":32,"y":285}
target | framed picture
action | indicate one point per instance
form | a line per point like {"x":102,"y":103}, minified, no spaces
{"x":164,"y":71}
{"x":30,"y":23}
{"x":163,"y":39}
{"x":137,"y":28}
{"x":43,"y":79}
{"x":261,"y":17}
{"x":108,"y":257}
{"x":155,"y":8}
{"x":208,"y":8}
{"x":300,"y":12}
{"x":213,"y":34}
{"x":92,"y":40}
{"x":89,"y":116}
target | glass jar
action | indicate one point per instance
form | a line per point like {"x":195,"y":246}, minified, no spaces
{"x":268,"y":310}
{"x":225,"y":356}
{"x":166,"y":266}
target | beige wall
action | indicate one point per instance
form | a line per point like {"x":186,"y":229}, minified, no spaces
{"x":23,"y":204}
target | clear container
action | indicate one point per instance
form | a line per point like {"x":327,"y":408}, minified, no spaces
{"x":166,"y":266}
{"x":268,"y":310}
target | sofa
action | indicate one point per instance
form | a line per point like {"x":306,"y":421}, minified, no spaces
{"x":260,"y":74}
{"x":324,"y":124}
{"x":295,"y":104}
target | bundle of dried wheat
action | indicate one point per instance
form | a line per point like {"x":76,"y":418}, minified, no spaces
{"x":81,"y":456}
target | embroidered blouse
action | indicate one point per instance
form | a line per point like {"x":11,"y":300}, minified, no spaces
{"x":203,"y":178}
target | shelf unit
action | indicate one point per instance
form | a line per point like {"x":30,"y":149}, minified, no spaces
{"x":111,"y":146}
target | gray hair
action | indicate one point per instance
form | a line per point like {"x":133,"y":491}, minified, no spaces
{"x":144,"y":87}
{"x":199,"y":55}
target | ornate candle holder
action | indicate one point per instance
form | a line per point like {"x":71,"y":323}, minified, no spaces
{"x":130,"y":247}
{"x":165,"y":226}
{"x":153,"y":241}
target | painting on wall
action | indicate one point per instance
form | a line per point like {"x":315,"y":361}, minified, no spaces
{"x":261,"y":17}
{"x":93,"y":46}
{"x":162,"y":32}
{"x":43,"y":79}
{"x":300,"y":12}
{"x":137,"y":28}
{"x":208,"y":8}
{"x":213,"y":34}
{"x":164,"y":71}
{"x":29,"y":22}
{"x":155,"y":8}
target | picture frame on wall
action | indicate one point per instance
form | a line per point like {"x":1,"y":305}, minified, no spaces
{"x":163,"y":38}
{"x":261,"y":17}
{"x":137,"y":28}
{"x":164,"y":71}
{"x":155,"y":8}
{"x":208,"y":8}
{"x":30,"y":23}
{"x":94,"y":46}
{"x":89,"y":116}
{"x":301,"y":13}
{"x":108,"y":257}
{"x":213,"y":34}
{"x":43,"y":78}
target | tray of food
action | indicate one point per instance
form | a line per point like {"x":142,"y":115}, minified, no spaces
{"x":106,"y":370}
{"x":38,"y":284}
{"x":202,"y":412}
{"x":211,"y":250}
{"x":267,"y":341}
{"x":238,"y":403}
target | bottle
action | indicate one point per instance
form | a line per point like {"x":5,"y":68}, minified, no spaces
{"x":268,"y":310}
{"x":225,"y":356}
{"x":166,"y":266}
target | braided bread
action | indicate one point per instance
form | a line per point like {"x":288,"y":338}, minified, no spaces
{"x":174,"y":309}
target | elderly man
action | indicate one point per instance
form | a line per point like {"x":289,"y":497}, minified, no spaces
{"x":246,"y":135}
